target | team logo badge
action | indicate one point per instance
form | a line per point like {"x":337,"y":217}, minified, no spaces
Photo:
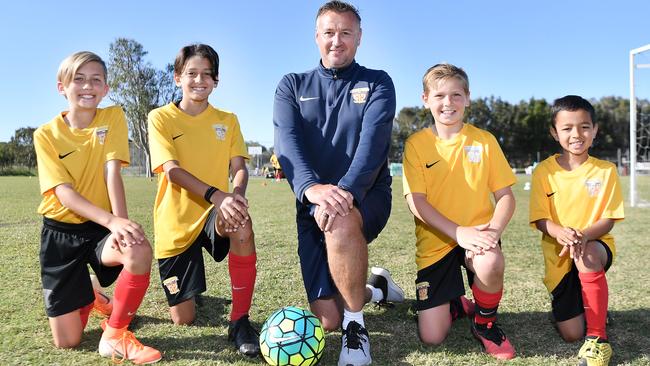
{"x":593,"y":186}
{"x":172,"y":285}
{"x":474,"y":153}
{"x":359,"y":95}
{"x":101,"y":134}
{"x":422,"y":289}
{"x":220,"y":130}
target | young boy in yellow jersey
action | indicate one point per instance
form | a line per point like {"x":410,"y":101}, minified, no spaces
{"x":450,"y":171}
{"x":80,"y":154}
{"x":194,"y":149}
{"x":574,"y":201}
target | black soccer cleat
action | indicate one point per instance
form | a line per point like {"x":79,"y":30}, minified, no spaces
{"x":245,"y":337}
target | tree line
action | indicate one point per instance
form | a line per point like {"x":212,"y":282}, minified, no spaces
{"x":521,"y":129}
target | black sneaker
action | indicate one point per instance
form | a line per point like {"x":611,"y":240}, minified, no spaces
{"x":355,"y":346}
{"x":245,"y":337}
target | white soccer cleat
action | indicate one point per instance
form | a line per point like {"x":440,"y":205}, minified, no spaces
{"x":355,"y":346}
{"x":380,"y":278}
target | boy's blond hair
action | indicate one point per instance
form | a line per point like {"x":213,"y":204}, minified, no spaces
{"x":442,"y":72}
{"x":71,"y":64}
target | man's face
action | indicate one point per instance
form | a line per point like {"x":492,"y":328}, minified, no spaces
{"x":338,"y":35}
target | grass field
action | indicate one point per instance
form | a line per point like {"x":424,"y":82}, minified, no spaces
{"x":25,"y":337}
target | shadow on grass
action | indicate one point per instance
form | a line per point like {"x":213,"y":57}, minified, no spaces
{"x":393,"y":334}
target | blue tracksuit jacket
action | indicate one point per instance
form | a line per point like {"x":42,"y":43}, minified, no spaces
{"x":333,"y":126}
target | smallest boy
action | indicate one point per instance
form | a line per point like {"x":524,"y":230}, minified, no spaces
{"x":575,"y":200}
{"x":451,"y":172}
{"x":80,"y":154}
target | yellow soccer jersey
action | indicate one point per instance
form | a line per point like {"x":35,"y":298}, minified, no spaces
{"x":203,"y":145}
{"x":576,"y":199}
{"x":458,"y":177}
{"x":78,"y":157}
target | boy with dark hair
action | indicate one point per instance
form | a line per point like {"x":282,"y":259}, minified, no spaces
{"x":195,"y":148}
{"x":574,"y":201}
{"x":80,"y":154}
{"x":450,"y":172}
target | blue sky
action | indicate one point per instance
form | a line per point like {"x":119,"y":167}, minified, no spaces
{"x":511,"y":49}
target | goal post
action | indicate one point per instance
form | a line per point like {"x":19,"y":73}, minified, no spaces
{"x":633,"y":122}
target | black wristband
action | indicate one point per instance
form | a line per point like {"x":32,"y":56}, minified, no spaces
{"x":208,"y":194}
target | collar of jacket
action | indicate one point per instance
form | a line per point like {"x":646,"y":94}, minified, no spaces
{"x":337,"y":73}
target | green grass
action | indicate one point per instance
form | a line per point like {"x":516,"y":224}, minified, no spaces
{"x":25,"y":336}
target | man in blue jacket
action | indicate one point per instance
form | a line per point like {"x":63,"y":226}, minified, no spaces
{"x":332,"y":135}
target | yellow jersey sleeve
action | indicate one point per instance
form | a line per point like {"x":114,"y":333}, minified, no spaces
{"x":539,"y":204}
{"x":413,"y":177}
{"x":51,"y":171}
{"x":501,"y":174}
{"x":117,"y":141}
{"x":160,"y":141}
{"x":237,"y":144}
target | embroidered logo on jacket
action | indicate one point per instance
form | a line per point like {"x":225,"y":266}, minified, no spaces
{"x":359,"y":95}
{"x":593,"y":186}
{"x":220,"y":130}
{"x":474,"y":153}
{"x":101,"y":132}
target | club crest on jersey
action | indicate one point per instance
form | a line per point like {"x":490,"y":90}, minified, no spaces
{"x":474,"y":153}
{"x":593,"y":186}
{"x":359,"y":95}
{"x":172,"y":285}
{"x":220,"y":130}
{"x":101,"y":132}
{"x":422,"y":289}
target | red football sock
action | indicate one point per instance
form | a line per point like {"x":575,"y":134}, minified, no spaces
{"x":84,"y":312}
{"x":595,"y":297}
{"x":128,"y":294}
{"x":486,"y":305}
{"x":242,"y":280}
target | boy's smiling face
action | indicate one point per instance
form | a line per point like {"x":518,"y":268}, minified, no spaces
{"x":87,"y":88}
{"x":447,"y":101}
{"x":575,"y":131}
{"x":197,"y":80}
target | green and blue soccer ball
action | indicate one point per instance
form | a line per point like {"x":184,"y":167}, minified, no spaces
{"x":292,"y":336}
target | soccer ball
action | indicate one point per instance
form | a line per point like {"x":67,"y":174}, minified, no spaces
{"x":292,"y":337}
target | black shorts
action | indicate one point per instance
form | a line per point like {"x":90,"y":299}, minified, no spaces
{"x":442,"y":281}
{"x":66,"y":251}
{"x":566,"y":297}
{"x":183,"y":275}
{"x":374,"y":210}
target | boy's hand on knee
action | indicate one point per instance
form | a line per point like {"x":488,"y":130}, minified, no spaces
{"x":125,"y":232}
{"x":475,"y":238}
{"x":233,"y":210}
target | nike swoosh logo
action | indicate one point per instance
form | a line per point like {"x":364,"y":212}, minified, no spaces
{"x":304,"y":99}
{"x":131,"y":313}
{"x":432,"y":164}
{"x":550,"y":194}
{"x":64,"y":155}
{"x":484,"y":313}
{"x":274,"y":339}
{"x":175,"y":137}
{"x":238,"y":288}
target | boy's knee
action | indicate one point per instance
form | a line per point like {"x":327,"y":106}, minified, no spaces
{"x":69,"y":342}
{"x":490,"y":265}
{"x":137,"y":258}
{"x":571,"y":336}
{"x":182,"y":319}
{"x":433,"y":338}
